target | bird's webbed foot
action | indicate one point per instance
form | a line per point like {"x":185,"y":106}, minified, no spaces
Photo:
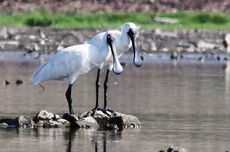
{"x":108,"y":112}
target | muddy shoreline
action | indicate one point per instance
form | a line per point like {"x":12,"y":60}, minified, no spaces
{"x":46,"y":40}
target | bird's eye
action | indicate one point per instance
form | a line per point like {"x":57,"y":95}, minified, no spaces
{"x":131,"y":32}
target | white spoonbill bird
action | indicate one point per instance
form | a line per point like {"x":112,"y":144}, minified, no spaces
{"x":124,"y":38}
{"x":73,"y":61}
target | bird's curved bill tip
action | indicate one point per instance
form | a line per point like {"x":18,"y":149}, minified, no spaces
{"x":117,"y":69}
{"x":138,"y":60}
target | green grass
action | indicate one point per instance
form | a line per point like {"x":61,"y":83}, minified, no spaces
{"x":186,"y":19}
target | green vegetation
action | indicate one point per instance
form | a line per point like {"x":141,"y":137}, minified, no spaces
{"x":97,"y":20}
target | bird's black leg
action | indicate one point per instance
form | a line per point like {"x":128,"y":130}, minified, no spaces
{"x":106,"y":108}
{"x":106,"y":90}
{"x":97,"y":88}
{"x":97,"y":92}
{"x":69,"y":99}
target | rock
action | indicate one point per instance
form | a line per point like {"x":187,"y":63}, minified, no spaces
{"x":48,"y":120}
{"x":109,"y":120}
{"x":52,"y":124}
{"x":88,"y":122}
{"x":21,"y":121}
{"x":163,"y":34}
{"x":19,"y":82}
{"x":4,"y":82}
{"x":72,"y":119}
{"x":39,"y":123}
{"x":3,"y":125}
{"x":129,"y":120}
{"x":65,"y":123}
{"x":165,"y":20}
{"x":4,"y":34}
{"x":9,"y":122}
{"x":206,"y":45}
{"x":45,"y":115}
{"x":25,"y":122}
{"x":9,"y":45}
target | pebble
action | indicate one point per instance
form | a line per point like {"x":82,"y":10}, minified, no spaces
{"x":4,"y":82}
{"x":19,"y":82}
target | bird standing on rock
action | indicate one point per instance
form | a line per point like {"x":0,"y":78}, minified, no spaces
{"x":73,"y":61}
{"x":124,"y":38}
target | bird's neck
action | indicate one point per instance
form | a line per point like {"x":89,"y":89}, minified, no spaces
{"x":125,"y":43}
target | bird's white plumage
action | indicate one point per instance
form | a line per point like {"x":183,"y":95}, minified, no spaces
{"x":121,"y":42}
{"x":73,"y":61}
{"x":68,"y":63}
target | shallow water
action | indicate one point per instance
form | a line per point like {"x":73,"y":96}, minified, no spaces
{"x":181,"y":103}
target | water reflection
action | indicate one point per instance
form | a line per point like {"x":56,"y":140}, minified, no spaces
{"x":99,"y":138}
{"x":70,"y":135}
{"x":104,"y":145}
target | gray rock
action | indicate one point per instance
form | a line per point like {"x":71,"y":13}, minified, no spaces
{"x":9,"y":45}
{"x":49,"y":120}
{"x":52,"y":124}
{"x":206,"y":45}
{"x":109,"y":120}
{"x":4,"y":82}
{"x":64,"y":122}
{"x":25,"y":122}
{"x":4,"y":34}
{"x":88,"y":122}
{"x":4,"y":125}
{"x":129,"y":120}
{"x":45,"y":115}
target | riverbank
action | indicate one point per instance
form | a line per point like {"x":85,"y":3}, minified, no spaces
{"x":47,"y":39}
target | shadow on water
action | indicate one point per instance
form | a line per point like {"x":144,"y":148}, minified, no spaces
{"x":99,"y":139}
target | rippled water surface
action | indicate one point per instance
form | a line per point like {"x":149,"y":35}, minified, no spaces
{"x":180,"y":103}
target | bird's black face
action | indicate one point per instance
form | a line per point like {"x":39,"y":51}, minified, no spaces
{"x":137,"y":60}
{"x":110,"y":39}
{"x":225,"y":44}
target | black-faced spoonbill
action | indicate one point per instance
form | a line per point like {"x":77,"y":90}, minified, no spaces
{"x":77,"y":60}
{"x":124,"y":38}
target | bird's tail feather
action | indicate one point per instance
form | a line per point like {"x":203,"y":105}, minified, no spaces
{"x":38,"y":74}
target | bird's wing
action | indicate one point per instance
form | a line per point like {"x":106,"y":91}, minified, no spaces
{"x":60,"y":66}
{"x":97,"y":39}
